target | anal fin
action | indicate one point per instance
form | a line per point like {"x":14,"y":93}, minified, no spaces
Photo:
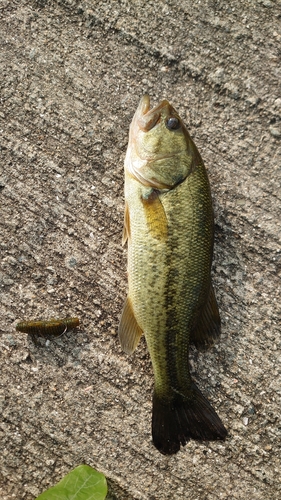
{"x":207,"y":326}
{"x":129,"y":330}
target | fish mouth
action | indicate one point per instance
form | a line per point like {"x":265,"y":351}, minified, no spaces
{"x":147,"y":118}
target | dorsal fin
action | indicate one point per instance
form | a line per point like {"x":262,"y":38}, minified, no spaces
{"x":207,"y":326}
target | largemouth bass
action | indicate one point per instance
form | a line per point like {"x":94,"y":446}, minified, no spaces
{"x":169,"y":229}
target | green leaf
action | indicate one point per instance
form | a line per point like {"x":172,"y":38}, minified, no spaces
{"x":82,"y":483}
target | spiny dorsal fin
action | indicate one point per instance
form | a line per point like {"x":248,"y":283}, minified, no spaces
{"x":207,"y":326}
{"x":129,"y":330}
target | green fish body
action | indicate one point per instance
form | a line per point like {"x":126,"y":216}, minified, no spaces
{"x":169,"y":230}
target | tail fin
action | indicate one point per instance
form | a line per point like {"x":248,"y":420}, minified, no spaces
{"x":175,"y":423}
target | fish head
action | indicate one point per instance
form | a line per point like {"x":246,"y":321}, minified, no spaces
{"x":160,"y":152}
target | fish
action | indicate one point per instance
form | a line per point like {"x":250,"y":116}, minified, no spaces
{"x":169,"y":232}
{"x":47,"y":329}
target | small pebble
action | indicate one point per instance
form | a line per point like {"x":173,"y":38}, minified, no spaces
{"x":275,"y":132}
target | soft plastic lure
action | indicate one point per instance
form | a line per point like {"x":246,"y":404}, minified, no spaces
{"x":47,"y":329}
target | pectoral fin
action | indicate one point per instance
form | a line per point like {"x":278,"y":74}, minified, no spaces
{"x":126,"y":228}
{"x":155,"y":216}
{"x":129,"y":330}
{"x":207,"y":326}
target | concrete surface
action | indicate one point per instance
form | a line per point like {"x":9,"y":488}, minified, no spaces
{"x":72,"y":73}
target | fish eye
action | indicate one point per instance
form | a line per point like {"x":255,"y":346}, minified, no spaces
{"x":173,"y":123}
